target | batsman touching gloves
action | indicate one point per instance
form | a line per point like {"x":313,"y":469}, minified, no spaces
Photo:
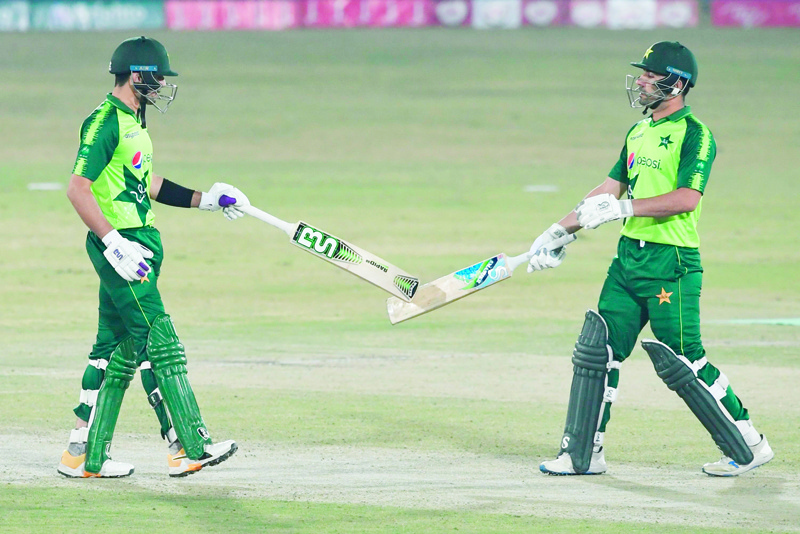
{"x":111,"y":189}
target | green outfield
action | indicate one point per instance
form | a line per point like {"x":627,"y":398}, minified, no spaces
{"x":434,"y":149}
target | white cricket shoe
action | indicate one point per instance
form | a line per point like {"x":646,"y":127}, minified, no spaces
{"x":73,"y":467}
{"x":563,"y":465}
{"x":726,"y":467}
{"x":180,"y":465}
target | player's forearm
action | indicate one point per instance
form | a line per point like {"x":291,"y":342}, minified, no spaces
{"x":80,"y":195}
{"x":166,"y":192}
{"x":681,"y":200}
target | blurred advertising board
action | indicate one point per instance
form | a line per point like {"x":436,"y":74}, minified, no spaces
{"x":751,"y":13}
{"x":232,"y":14}
{"x":14,"y":17}
{"x":614,"y":14}
{"x":20,"y":15}
{"x":97,"y":15}
{"x":482,"y":14}
{"x":284,"y":14}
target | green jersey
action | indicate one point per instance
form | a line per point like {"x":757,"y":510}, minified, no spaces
{"x":659,"y":157}
{"x":116,"y":154}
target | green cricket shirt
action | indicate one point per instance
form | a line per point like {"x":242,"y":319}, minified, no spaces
{"x":116,"y":154}
{"x":659,"y":157}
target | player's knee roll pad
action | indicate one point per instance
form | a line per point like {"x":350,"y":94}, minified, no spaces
{"x":681,"y":377}
{"x":590,"y":361}
{"x":119,"y":373}
{"x":168,"y":360}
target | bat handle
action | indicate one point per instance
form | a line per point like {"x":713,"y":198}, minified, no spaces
{"x":516,"y":261}
{"x":225,"y":201}
{"x":269,"y":219}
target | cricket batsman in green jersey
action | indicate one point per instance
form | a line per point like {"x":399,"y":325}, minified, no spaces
{"x":655,"y":277}
{"x":111,"y":188}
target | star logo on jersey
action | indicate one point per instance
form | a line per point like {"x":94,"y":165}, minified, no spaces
{"x":647,"y":54}
{"x":665,"y":142}
{"x":136,"y":193}
{"x":664,"y":297}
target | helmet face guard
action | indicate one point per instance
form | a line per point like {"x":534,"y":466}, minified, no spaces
{"x":153,"y":89}
{"x":665,"y":89}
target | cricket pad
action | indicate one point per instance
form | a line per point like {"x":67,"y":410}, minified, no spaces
{"x":119,"y":373}
{"x":168,"y":360}
{"x":681,"y":379}
{"x":590,"y":366}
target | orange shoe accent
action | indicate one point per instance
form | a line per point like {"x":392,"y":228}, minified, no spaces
{"x":179,"y":464}
{"x":73,"y":462}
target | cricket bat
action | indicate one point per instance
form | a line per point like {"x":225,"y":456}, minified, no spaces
{"x":461,"y":283}
{"x":347,"y":256}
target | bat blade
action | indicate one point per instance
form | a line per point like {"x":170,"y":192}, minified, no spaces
{"x":465,"y":282}
{"x":355,"y":260}
{"x":454,"y":286}
{"x":344,"y":255}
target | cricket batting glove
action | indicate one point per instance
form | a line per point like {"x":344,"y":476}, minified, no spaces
{"x":543,"y":255}
{"x":225,"y":197}
{"x":126,"y":257}
{"x":594,"y":211}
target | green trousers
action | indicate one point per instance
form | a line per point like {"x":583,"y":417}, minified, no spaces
{"x":659,"y":284}
{"x":126,"y":308}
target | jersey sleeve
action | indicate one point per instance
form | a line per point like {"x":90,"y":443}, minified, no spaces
{"x":697,"y":154}
{"x":99,"y":140}
{"x":620,"y":170}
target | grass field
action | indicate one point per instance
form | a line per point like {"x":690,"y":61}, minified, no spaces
{"x":419,"y":146}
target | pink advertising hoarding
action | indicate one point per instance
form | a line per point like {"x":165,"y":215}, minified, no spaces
{"x":231,"y":14}
{"x":749,"y":13}
{"x":484,"y":14}
{"x":366,"y":13}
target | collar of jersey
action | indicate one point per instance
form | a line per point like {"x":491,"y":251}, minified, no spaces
{"x":675,"y":117}
{"x":117,"y":102}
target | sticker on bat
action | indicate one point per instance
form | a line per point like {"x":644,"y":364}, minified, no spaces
{"x":484,"y":273}
{"x":407,"y":284}
{"x":326,"y":245}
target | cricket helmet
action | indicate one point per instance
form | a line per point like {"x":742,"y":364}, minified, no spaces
{"x":139,"y":54}
{"x":150,"y":59}
{"x":670,"y":57}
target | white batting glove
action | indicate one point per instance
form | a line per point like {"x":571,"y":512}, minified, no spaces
{"x":547,"y":258}
{"x":544,"y":256}
{"x":126,"y":257}
{"x":226,"y":197}
{"x":594,"y":211}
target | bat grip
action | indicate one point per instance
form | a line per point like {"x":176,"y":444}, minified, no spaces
{"x":516,"y":261}
{"x":269,"y":219}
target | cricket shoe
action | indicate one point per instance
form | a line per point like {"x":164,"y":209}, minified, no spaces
{"x":181,"y":465}
{"x":563,"y":465}
{"x":73,"y":467}
{"x":727,"y":467}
